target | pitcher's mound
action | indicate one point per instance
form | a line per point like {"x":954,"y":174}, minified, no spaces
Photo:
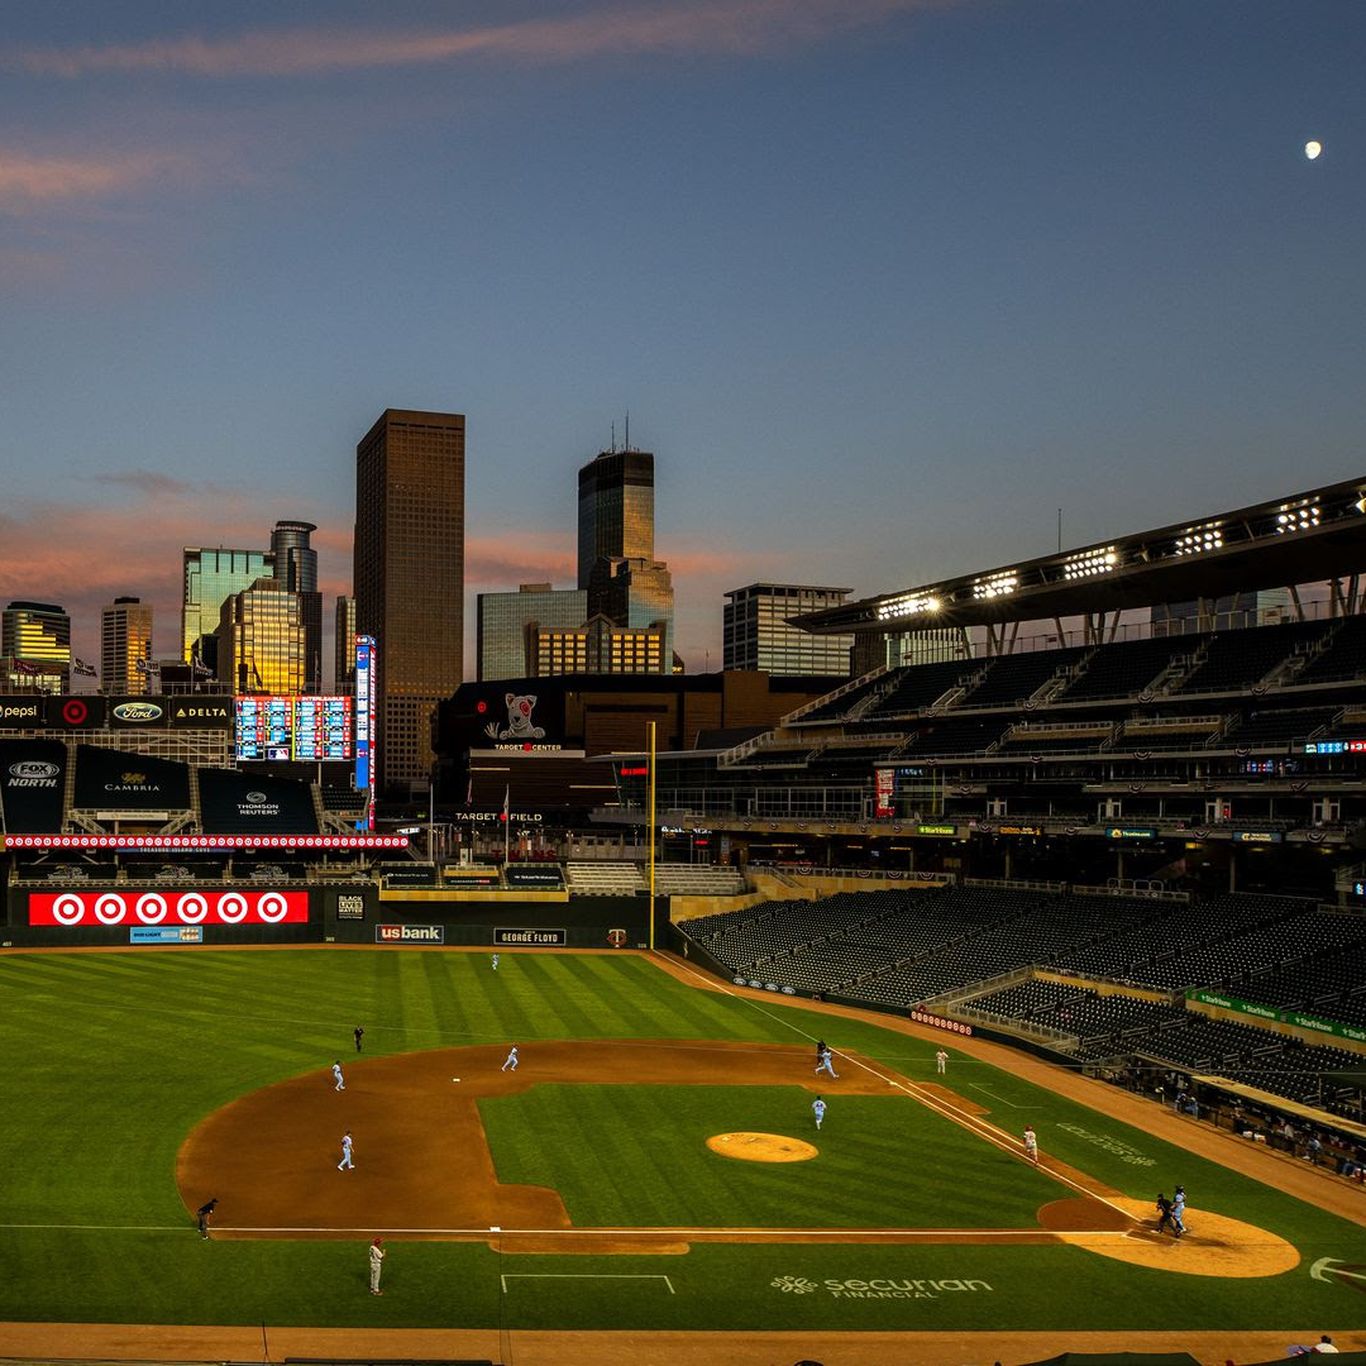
{"x":761,"y":1147}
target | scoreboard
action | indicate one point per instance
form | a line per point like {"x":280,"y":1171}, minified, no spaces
{"x":308,"y":729}
{"x":323,"y":729}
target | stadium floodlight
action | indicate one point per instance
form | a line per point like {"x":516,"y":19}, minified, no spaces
{"x":1086,"y":564}
{"x":908,"y":605}
{"x":995,"y":585}
{"x":1196,"y":540}
{"x":1297,"y":517}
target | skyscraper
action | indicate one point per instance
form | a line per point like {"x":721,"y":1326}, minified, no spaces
{"x":409,"y":579}
{"x":296,"y":568}
{"x":757,"y":635}
{"x":344,"y":647}
{"x":263,"y":640}
{"x":35,"y":643}
{"x":638,"y":595}
{"x":125,"y":642}
{"x":210,"y":577}
{"x":616,"y":509}
{"x":503,"y":636}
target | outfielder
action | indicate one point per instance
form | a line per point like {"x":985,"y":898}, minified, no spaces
{"x":376,"y":1262}
{"x":941,"y":1062}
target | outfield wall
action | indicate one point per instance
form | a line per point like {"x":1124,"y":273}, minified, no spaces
{"x":126,"y":914}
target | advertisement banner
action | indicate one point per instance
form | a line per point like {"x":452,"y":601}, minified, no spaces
{"x":22,"y":713}
{"x":200,"y":713}
{"x":95,"y":908}
{"x":166,"y":934}
{"x":1317,"y":1023}
{"x":535,"y":938}
{"x":237,"y":803}
{"x":77,"y":713}
{"x":410,"y":934}
{"x":883,"y":779}
{"x":137,"y":713}
{"x":32,"y":784}
{"x":114,"y":780}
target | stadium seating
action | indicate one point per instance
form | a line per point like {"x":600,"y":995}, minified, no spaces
{"x":603,"y":878}
{"x":1123,"y":669}
{"x":683,"y":879}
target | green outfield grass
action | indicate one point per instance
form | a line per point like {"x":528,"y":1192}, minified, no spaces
{"x":109,"y":1060}
{"x":877,"y":1166}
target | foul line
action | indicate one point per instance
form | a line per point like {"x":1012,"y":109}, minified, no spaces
{"x":582,"y":1276}
{"x":981,"y":1128}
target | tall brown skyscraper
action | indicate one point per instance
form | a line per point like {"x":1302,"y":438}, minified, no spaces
{"x":409,"y":579}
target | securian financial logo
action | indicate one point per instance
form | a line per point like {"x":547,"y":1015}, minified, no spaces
{"x":878,"y":1288}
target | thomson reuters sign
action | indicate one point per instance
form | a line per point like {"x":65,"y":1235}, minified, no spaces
{"x":69,"y":909}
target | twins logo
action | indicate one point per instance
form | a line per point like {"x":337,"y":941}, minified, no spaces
{"x":519,"y":727}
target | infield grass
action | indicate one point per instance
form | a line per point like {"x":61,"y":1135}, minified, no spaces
{"x":110,"y":1059}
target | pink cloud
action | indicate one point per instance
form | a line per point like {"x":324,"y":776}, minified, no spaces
{"x":716,"y":27}
{"x":27,"y":179}
{"x":83,"y":555}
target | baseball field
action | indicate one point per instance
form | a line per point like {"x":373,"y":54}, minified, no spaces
{"x":653,"y":1163}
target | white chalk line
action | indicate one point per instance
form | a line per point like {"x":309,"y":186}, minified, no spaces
{"x":1000,"y":1100}
{"x":369,"y":1230}
{"x":584,"y":1276}
{"x":981,"y":1128}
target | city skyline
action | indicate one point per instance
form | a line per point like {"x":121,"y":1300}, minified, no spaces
{"x":883,"y":283}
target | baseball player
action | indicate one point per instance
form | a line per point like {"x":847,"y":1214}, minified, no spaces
{"x":826,"y":1064}
{"x":204,"y":1214}
{"x":346,"y":1164}
{"x":510,"y":1063}
{"x":358,"y":1033}
{"x":1031,"y":1144}
{"x":1179,"y":1211}
{"x":495,"y":962}
{"x":1164,"y":1213}
{"x":376,"y":1262}
{"x":337,"y":1076}
{"x":818,"y":1109}
{"x":941,"y":1062}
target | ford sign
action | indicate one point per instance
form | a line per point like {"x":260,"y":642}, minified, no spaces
{"x":137,"y":711}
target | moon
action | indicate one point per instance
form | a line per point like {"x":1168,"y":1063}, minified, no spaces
{"x":1313,"y":150}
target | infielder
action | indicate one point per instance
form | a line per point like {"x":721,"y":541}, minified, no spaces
{"x":1179,"y":1211}
{"x":376,"y":1262}
{"x":941,"y":1062}
{"x":818,"y":1109}
{"x":510,"y":1064}
{"x":1031,"y":1144}
{"x":826,"y":1063}
{"x":205,"y":1213}
{"x":346,"y":1164}
{"x":337,"y":1076}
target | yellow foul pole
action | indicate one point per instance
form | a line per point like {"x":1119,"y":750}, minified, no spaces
{"x":652,"y":836}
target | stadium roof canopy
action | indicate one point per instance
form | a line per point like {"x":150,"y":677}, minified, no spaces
{"x":1303,"y":538}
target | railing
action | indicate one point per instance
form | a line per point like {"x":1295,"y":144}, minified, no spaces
{"x":839,"y":692}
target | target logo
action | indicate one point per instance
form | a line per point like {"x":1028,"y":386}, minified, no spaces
{"x":67,"y":909}
{"x":75,"y":712}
